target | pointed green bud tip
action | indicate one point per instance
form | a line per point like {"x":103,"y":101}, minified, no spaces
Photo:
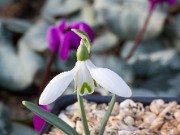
{"x":80,"y":33}
{"x":82,"y":51}
{"x":84,"y":35}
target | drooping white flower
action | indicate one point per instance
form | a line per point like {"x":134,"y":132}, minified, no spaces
{"x":85,"y":75}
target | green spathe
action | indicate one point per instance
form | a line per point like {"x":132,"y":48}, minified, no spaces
{"x":82,"y":51}
{"x":85,"y":37}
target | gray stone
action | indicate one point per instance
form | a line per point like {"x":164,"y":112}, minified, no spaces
{"x":115,"y":64}
{"x":145,"y":47}
{"x":5,"y":122}
{"x":61,"y":8}
{"x":35,"y":37}
{"x":18,"y":65}
{"x":19,"y":129}
{"x":127,"y":20}
{"x":105,"y":42}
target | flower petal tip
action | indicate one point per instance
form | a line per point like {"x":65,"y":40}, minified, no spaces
{"x":128,"y":94}
{"x":42,"y":101}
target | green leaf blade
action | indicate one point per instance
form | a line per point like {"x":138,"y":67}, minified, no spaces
{"x":50,"y":118}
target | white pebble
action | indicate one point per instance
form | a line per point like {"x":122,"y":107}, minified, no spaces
{"x":129,"y":120}
{"x":127,"y":103}
{"x":66,"y":119}
{"x":124,"y":132}
{"x":177,"y":115}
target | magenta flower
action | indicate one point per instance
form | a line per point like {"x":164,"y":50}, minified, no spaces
{"x":61,"y":39}
{"x":38,"y":122}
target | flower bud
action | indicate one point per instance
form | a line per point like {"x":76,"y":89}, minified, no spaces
{"x":82,"y":51}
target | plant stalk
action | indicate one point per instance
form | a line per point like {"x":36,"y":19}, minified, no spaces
{"x":108,"y":113}
{"x":47,"y":72}
{"x":83,"y":115}
{"x":140,"y":34}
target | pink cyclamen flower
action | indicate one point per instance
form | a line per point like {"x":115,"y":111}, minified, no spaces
{"x":38,"y":122}
{"x":61,"y":39}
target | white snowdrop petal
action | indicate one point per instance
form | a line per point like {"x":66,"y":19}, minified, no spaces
{"x":56,"y":87}
{"x":110,"y":81}
{"x":84,"y":81}
{"x":90,"y":65}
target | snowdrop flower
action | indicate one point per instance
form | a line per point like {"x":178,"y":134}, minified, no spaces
{"x":86,"y":76}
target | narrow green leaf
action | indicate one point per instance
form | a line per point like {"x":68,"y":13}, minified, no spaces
{"x":108,"y":113}
{"x":50,"y":118}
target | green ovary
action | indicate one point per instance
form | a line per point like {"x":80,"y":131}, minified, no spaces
{"x":85,"y":86}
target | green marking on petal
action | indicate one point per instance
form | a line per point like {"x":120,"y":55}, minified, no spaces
{"x":76,"y":87}
{"x":85,"y":86}
{"x":95,"y":84}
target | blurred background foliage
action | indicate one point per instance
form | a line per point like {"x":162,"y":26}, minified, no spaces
{"x":153,"y":70}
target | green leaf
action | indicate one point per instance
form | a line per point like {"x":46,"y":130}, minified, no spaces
{"x":50,"y":118}
{"x":108,"y":113}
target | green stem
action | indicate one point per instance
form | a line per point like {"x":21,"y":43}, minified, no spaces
{"x":108,"y":113}
{"x":83,"y":115}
